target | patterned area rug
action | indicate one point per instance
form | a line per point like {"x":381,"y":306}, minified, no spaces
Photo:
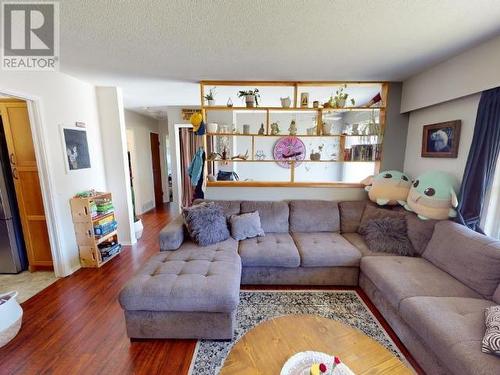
{"x":258,"y":306}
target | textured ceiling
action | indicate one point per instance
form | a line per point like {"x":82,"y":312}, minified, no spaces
{"x":145,"y":45}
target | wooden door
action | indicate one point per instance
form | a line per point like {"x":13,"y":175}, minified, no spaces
{"x":27,"y":183}
{"x":155,"y":159}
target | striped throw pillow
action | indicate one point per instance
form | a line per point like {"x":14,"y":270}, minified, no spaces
{"x":491,"y":339}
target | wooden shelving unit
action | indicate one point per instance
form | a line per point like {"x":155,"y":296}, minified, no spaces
{"x":320,"y":112}
{"x":83,"y":222}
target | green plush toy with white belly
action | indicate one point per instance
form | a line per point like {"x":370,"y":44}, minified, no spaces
{"x":432,"y":196}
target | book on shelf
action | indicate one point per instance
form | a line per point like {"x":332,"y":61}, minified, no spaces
{"x":363,"y":153}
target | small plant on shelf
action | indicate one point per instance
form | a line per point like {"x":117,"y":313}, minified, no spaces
{"x":339,"y":100}
{"x":210,"y":97}
{"x":251,"y":97}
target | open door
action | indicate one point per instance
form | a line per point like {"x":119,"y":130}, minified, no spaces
{"x":24,"y":168}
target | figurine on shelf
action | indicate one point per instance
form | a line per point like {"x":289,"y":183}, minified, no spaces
{"x":275,"y":129}
{"x":315,"y":155}
{"x":259,"y":155}
{"x":261,"y":130}
{"x":293,"y":128}
{"x":240,"y":156}
{"x":229,"y":102}
{"x":286,"y":102}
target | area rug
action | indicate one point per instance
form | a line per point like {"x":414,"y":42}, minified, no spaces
{"x":258,"y":306}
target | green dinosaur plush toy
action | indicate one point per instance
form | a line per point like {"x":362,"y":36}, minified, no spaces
{"x":432,"y":196}
{"x":388,"y":187}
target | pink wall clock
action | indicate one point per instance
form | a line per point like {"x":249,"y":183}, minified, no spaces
{"x":289,"y":148}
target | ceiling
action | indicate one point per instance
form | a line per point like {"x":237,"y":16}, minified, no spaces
{"x":157,"y":50}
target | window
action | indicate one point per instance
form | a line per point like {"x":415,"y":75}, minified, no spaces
{"x":491,"y":217}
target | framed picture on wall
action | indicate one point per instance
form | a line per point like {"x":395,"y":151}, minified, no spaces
{"x":441,"y":140}
{"x":76,"y":148}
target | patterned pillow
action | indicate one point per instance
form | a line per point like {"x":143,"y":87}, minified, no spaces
{"x":491,"y":339}
{"x":206,"y":223}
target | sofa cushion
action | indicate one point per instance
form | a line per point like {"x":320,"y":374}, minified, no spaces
{"x":314,"y":216}
{"x":453,"y":328}
{"x":400,"y":277}
{"x":273,"y":250}
{"x":359,"y":242}
{"x":472,"y":258}
{"x":273,"y":215}
{"x":350,"y":215}
{"x":325,"y":249}
{"x":192,"y":278}
{"x":228,"y":207}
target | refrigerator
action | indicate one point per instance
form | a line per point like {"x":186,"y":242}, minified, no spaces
{"x":13,"y":257}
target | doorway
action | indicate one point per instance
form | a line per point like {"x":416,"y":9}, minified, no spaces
{"x":22,"y":194}
{"x":156,"y":166}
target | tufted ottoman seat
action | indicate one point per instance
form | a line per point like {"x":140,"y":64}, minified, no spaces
{"x":192,"y":292}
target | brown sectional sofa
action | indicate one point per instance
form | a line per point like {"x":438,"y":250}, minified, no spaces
{"x":434,"y":302}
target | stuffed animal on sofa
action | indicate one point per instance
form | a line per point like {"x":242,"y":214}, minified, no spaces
{"x":388,"y":188}
{"x":432,"y":196}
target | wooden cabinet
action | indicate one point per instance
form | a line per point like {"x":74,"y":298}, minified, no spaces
{"x":22,"y":158}
{"x":86,"y":222}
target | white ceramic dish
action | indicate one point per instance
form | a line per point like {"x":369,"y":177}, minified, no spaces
{"x":300,"y":363}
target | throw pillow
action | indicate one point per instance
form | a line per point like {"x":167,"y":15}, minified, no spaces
{"x":388,"y":234}
{"x":206,"y":223}
{"x":246,"y":226}
{"x":491,"y":339}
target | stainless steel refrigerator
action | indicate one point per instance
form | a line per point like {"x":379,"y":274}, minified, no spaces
{"x":12,"y":249}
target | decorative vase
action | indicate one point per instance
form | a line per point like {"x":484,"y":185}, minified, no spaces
{"x":138,"y":228}
{"x":286,"y":102}
{"x":250,"y":101}
{"x":212,"y":127}
{"x":211,"y":102}
{"x":11,"y":317}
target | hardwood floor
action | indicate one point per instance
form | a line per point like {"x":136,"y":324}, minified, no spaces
{"x":76,"y":325}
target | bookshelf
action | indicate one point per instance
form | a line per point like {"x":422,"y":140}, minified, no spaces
{"x":95,"y":229}
{"x":361,"y":152}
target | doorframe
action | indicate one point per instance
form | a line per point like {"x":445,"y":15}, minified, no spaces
{"x":47,"y":186}
{"x":152,"y":169}
{"x":176,"y":172}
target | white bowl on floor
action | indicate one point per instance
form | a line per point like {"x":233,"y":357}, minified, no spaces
{"x":11,"y":317}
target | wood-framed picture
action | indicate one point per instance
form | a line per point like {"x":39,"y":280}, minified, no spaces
{"x":441,"y":140}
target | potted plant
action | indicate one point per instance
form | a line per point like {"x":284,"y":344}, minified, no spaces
{"x":340,"y":98}
{"x":251,"y":97}
{"x":210,"y":97}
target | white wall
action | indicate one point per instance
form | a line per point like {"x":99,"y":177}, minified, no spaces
{"x":62,"y":100}
{"x":111,"y":113}
{"x":139,"y":127}
{"x":283,"y":193}
{"x":470,"y":72}
{"x":463,"y":109}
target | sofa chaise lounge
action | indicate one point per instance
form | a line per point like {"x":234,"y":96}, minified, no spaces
{"x":434,"y":301}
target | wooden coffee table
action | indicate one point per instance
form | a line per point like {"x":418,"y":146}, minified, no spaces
{"x":265,"y":348}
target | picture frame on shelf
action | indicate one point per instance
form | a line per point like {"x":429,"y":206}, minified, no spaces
{"x":441,"y":140}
